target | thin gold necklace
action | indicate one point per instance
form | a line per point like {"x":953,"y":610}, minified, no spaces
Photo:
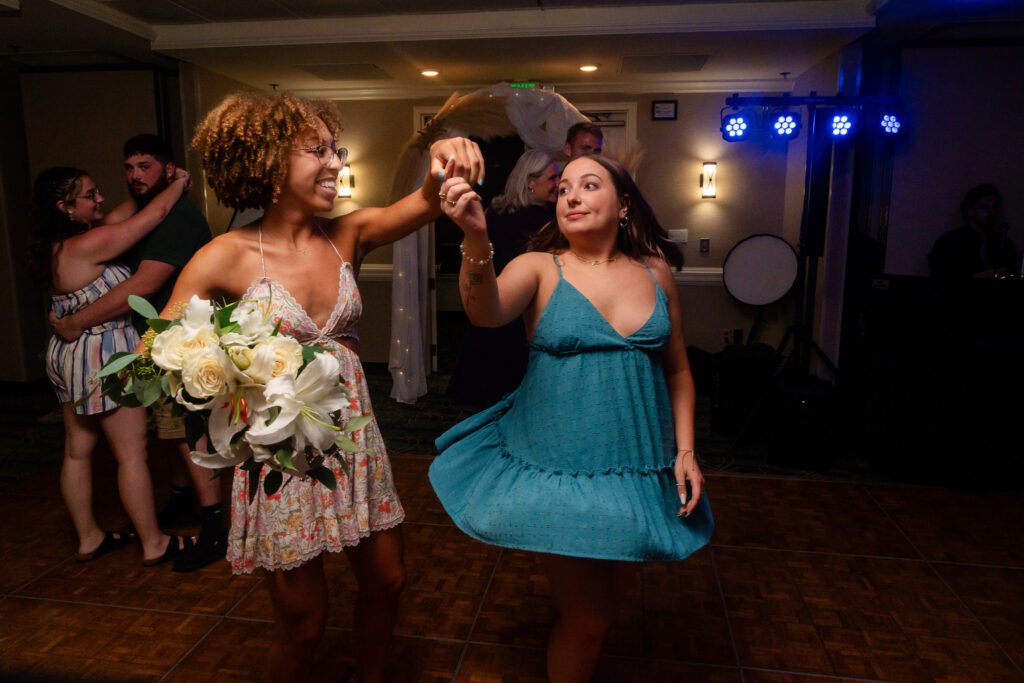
{"x":590,"y":262}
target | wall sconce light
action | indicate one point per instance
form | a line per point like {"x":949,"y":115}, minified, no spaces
{"x":346,"y":182}
{"x":709,"y":180}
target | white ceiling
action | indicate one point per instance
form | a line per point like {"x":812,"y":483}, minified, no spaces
{"x":350,"y":49}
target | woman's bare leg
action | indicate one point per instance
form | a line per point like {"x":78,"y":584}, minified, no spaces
{"x":299,"y":598}
{"x":125,"y":429}
{"x":378,"y":566}
{"x":81,"y":432}
{"x":586,"y":593}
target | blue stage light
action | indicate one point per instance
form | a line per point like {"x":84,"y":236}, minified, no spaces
{"x":842,"y":123}
{"x":890,"y":123}
{"x":785,"y":125}
{"x":736,"y":126}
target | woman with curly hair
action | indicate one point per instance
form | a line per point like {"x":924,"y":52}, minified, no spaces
{"x":74,"y":258}
{"x":590,"y":462}
{"x":279,"y":153}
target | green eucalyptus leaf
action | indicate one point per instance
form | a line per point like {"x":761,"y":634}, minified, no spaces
{"x":152,"y":393}
{"x":158,"y":325}
{"x":346,"y":444}
{"x":142,"y":307}
{"x":357,"y":423}
{"x":118,"y":362}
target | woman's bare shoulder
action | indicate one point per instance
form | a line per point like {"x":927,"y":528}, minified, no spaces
{"x":662,"y":273}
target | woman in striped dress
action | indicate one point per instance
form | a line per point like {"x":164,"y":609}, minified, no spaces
{"x":72,"y":258}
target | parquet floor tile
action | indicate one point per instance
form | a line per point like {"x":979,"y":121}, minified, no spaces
{"x":234,"y":652}
{"x":759,"y":676}
{"x":446,"y":576}
{"x":996,"y":596}
{"x":35,"y":536}
{"x":792,"y":514}
{"x":850,"y":616}
{"x":418,"y":498}
{"x":43,"y":638}
{"x":120,"y":579}
{"x":824,"y":582}
{"x":517,"y":609}
{"x":500,"y":664}
{"x":972,"y":527}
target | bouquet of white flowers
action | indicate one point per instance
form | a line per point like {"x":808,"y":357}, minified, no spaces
{"x":262,"y":398}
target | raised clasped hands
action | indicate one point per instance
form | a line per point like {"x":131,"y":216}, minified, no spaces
{"x":462,"y":204}
{"x":687,"y":471}
{"x":465,"y":157}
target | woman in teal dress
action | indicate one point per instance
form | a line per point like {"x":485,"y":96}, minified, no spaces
{"x":591,"y":461}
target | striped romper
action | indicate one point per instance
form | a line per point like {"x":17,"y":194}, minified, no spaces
{"x":71,"y":365}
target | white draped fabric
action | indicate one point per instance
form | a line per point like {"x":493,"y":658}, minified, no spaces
{"x":541,"y":119}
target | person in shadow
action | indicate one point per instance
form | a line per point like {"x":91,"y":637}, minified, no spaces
{"x":980,"y":247}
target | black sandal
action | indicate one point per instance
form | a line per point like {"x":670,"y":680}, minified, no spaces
{"x":112,"y":540}
{"x":174,"y":548}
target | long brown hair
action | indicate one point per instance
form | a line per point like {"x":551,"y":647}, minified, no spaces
{"x":642,"y":234}
{"x":50,"y":225}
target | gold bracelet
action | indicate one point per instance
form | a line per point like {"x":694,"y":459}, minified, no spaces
{"x":477,"y":262}
{"x":684,"y":451}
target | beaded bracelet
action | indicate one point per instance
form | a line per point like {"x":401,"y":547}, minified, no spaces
{"x":477,"y":262}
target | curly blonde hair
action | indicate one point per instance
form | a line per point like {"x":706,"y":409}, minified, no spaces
{"x":245,"y":140}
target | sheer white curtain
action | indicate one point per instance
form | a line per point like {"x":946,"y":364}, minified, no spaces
{"x":541,"y":119}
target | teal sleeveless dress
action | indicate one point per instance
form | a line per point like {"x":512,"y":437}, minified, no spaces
{"x":578,"y":460}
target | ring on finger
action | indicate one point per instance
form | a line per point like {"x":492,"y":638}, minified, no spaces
{"x":449,"y":202}
{"x":443,"y":196}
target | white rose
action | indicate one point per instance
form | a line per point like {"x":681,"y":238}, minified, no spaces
{"x":276,"y":356}
{"x":204,"y":373}
{"x":197,"y":317}
{"x":173,"y":345}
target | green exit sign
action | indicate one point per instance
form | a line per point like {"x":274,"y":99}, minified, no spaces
{"x":525,"y":85}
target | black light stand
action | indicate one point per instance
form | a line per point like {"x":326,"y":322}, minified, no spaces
{"x":814,"y":217}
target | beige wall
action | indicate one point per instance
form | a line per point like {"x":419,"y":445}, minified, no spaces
{"x":22,"y":303}
{"x":83,"y":118}
{"x":200,"y":91}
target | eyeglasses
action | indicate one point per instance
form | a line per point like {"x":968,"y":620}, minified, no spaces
{"x":90,"y":195}
{"x":324,"y":154}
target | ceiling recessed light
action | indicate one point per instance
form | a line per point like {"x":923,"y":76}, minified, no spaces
{"x":589,"y":67}
{"x":430,"y":73}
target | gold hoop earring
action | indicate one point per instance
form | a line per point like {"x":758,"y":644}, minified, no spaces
{"x":276,"y":193}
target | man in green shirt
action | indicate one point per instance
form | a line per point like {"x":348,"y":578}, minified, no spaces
{"x":155,"y":262}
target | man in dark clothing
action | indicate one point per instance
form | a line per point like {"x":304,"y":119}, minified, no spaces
{"x":155,"y":262}
{"x":979,"y":248}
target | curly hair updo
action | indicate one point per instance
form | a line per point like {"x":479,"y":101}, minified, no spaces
{"x":245,"y":140}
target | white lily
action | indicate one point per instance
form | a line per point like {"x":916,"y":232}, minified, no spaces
{"x":253,"y":325}
{"x":197,"y":317}
{"x":306,"y":403}
{"x":230,"y":414}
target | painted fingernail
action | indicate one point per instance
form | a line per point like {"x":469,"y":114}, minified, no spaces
{"x":480,"y":182}
{"x":440,"y":175}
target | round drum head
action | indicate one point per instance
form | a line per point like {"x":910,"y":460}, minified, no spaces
{"x":760,"y":269}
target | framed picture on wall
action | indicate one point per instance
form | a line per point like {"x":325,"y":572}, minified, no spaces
{"x":663,"y":110}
